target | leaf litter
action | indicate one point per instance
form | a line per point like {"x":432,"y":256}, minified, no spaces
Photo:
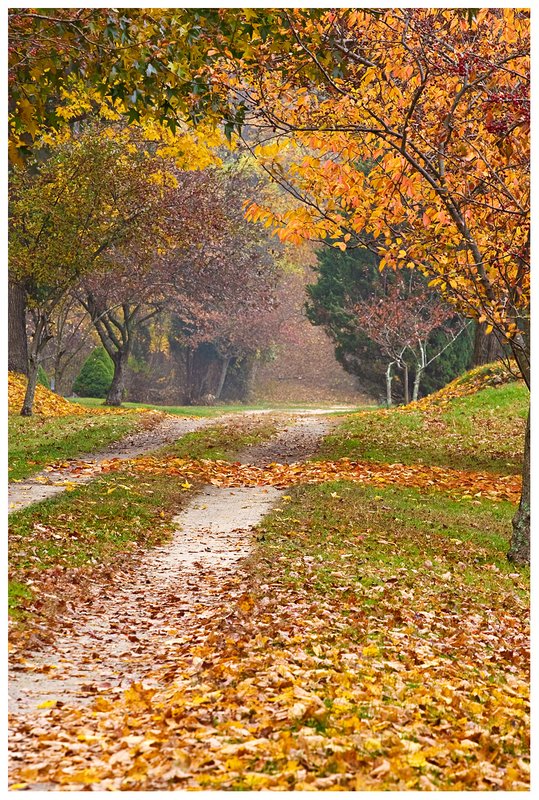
{"x":261,"y":683}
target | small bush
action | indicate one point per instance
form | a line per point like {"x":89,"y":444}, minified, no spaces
{"x":96,"y":375}
{"x":43,"y":378}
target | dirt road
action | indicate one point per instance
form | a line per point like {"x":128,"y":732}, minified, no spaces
{"x":153,"y":602}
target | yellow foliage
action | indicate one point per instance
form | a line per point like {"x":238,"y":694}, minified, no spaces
{"x":46,"y":402}
{"x":50,"y":404}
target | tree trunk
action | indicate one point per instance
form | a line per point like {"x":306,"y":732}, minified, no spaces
{"x":17,"y":341}
{"x":406,"y":385}
{"x":116,"y":391}
{"x":519,"y":551}
{"x":388,"y":384}
{"x":28,"y":404}
{"x":222,"y":377}
{"x":494,"y":349}
{"x":251,"y":379}
{"x":417,"y":381}
{"x":487,"y":348}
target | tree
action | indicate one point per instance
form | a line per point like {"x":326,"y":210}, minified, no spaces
{"x":70,"y":343}
{"x":17,"y":342}
{"x":119,"y":300}
{"x":95,"y":377}
{"x":344,"y":279}
{"x":206,"y":267}
{"x":149,"y":65}
{"x":401,"y":322}
{"x":437,"y":101}
{"x":224,"y":273}
{"x":65,"y":214}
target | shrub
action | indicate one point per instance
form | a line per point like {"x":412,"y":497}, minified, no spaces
{"x":43,"y":378}
{"x":96,"y":375}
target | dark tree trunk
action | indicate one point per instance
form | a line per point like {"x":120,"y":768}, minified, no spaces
{"x":479,"y":345}
{"x":28,"y":404}
{"x":17,"y":341}
{"x":494,"y":349}
{"x":487,"y":347}
{"x":519,"y":551}
{"x":117,"y":387}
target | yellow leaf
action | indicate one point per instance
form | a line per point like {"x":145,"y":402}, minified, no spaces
{"x":48,"y":704}
{"x":373,"y":745}
{"x":417,"y":759}
{"x":102,"y":704}
{"x":371,"y":650}
{"x":85,"y":776}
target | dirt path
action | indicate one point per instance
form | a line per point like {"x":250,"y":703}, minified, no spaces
{"x":154,"y":602}
{"x":82,"y":469}
{"x":50,"y":482}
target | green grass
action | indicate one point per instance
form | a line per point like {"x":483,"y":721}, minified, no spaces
{"x":356,"y":537}
{"x":89,"y":525}
{"x":222,"y":442}
{"x":37,"y":441}
{"x":483,"y":432}
{"x":18,"y":595}
{"x":205,"y":411}
{"x":95,"y":522}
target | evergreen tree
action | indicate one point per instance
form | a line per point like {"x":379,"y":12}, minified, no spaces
{"x":96,"y":375}
{"x":342,"y":280}
{"x":43,"y":378}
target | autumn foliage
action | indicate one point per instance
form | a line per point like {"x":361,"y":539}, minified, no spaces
{"x":473,"y":381}
{"x":49,"y":404}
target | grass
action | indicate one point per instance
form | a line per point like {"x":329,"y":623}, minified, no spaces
{"x":205,"y":411}
{"x":222,"y":442}
{"x":37,"y":441}
{"x":89,"y":525}
{"x":384,"y":621}
{"x":482,"y":432}
{"x":415,"y":589}
{"x":357,"y":536}
{"x":97,"y":521}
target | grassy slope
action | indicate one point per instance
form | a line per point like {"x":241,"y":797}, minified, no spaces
{"x":37,"y":441}
{"x":483,"y":431}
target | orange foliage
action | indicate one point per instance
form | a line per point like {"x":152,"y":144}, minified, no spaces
{"x":223,"y":473}
{"x":47,"y":403}
{"x":50,"y":404}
